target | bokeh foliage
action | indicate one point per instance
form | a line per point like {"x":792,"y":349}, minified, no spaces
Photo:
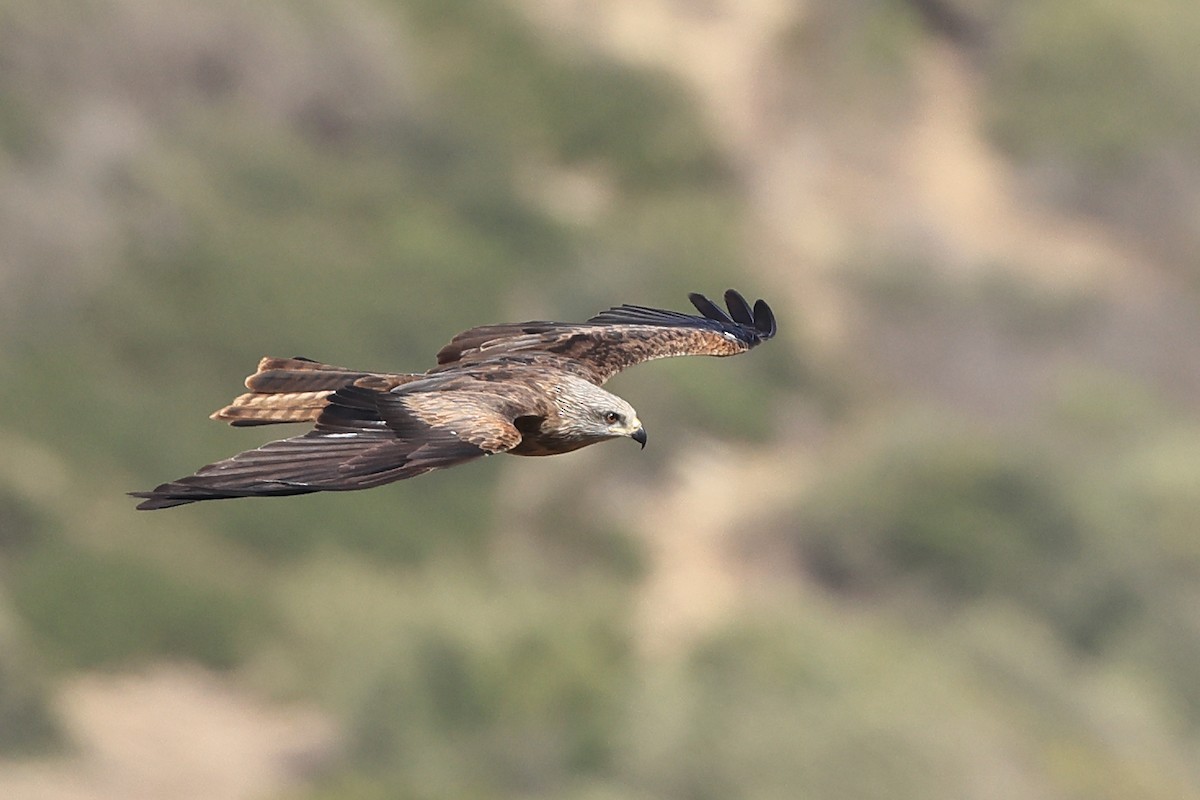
{"x":990,"y":579}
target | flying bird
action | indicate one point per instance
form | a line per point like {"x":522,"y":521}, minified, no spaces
{"x":525,"y":388}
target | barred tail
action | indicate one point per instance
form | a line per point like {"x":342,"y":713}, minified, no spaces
{"x":296,"y":390}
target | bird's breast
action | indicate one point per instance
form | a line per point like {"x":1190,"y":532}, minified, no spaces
{"x":540,"y":436}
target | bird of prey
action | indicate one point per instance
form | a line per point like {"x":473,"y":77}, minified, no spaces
{"x":525,"y":388}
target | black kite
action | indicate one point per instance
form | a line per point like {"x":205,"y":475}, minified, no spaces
{"x":526,"y":388}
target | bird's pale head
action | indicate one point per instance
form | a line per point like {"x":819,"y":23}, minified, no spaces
{"x":587,"y":412}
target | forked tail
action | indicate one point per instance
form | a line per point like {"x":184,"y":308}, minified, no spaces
{"x":297,"y":390}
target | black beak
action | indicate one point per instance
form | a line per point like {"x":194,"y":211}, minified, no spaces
{"x":639,"y":436}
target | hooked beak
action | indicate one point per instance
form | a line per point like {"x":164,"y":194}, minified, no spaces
{"x":639,"y":436}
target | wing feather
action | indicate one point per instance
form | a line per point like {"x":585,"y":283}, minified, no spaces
{"x":739,"y":309}
{"x":617,"y":338}
{"x":708,"y":308}
{"x":362,"y":439}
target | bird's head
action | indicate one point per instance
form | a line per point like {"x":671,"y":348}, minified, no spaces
{"x":622,"y":420}
{"x":592,"y":413}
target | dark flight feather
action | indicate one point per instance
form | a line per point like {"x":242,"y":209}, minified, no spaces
{"x":739,"y":309}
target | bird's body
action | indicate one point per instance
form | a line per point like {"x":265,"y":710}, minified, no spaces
{"x":531,"y":388}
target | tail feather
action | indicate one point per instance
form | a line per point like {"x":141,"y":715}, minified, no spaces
{"x":254,"y":408}
{"x":296,"y":375}
{"x":297,"y":390}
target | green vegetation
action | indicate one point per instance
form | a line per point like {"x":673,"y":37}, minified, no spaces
{"x":92,"y":610}
{"x":984,"y":575}
{"x":26,"y":722}
{"x":1102,"y":84}
{"x":1099,"y":98}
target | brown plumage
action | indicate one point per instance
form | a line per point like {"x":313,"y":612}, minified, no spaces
{"x":525,"y":388}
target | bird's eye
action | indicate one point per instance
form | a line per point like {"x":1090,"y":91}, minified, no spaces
{"x":612,"y":418}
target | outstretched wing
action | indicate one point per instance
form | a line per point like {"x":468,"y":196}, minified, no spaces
{"x":617,"y":338}
{"x":363,"y":438}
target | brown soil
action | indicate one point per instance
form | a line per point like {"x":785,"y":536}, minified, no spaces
{"x":171,"y":733}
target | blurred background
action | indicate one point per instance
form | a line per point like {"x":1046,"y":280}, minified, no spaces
{"x":940,"y":539}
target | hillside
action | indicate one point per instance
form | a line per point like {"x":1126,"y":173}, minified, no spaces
{"x":939,"y":539}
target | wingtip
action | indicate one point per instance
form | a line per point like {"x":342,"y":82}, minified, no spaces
{"x":151,"y":501}
{"x":739,"y":309}
{"x":708,"y":308}
{"x":758,"y":319}
{"x":764,"y":319}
